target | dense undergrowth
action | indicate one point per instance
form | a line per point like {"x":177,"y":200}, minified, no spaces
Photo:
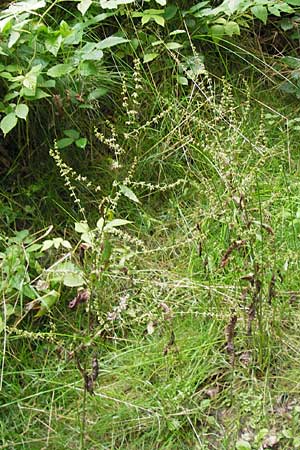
{"x":149,"y":241}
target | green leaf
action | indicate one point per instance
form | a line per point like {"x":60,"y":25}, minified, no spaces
{"x":81,"y":143}
{"x":217,"y":31}
{"x":22,"y":111}
{"x":115,"y":223}
{"x":39,"y":93}
{"x":145,"y":19}
{"x":232,"y":28}
{"x":66,"y":244}
{"x":260,"y":12}
{"x":242,"y":445}
{"x":291,"y":61}
{"x":47,"y":244}
{"x":159,"y":20}
{"x":148,"y":57}
{"x":182,"y":80}
{"x":170,"y":12}
{"x":173,"y":45}
{"x":161,"y":2}
{"x":47,"y":301}
{"x":65,"y":142}
{"x":97,"y":93}
{"x":60,"y":70}
{"x":113,"y":4}
{"x":13,"y":38}
{"x":73,"y":279}
{"x":82,"y":227}
{"x":8,"y":123}
{"x":274,"y":10}
{"x":100,"y":224}
{"x":84,"y":5}
{"x":106,"y":252}
{"x":87,"y":69}
{"x":72,"y":133}
{"x":30,"y":79}
{"x":129,"y":193}
{"x":286,"y":24}
{"x":293,"y":2}
{"x":26,"y":6}
{"x":111,"y":41}
{"x":53,"y":44}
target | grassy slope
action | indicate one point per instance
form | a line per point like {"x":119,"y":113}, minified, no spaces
{"x":167,"y":379}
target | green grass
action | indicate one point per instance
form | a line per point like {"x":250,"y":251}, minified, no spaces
{"x":166,"y":378}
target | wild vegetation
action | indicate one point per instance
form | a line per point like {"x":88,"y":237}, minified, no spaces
{"x":150,"y":220}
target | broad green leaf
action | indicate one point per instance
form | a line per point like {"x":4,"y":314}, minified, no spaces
{"x":87,"y":237}
{"x":293,"y":2}
{"x":113,"y":4}
{"x":22,"y":111}
{"x":30,"y":79}
{"x":100,"y":224}
{"x":106,"y":252}
{"x":148,"y":57}
{"x":5,"y":24}
{"x":173,"y":45}
{"x":82,"y":227}
{"x":8,"y":123}
{"x":159,"y":20}
{"x":33,"y":248}
{"x":66,"y":244}
{"x":64,"y":142}
{"x":291,"y":61}
{"x":115,"y":223}
{"x":182,"y":80}
{"x":57,"y":242}
{"x":60,"y":70}
{"x":13,"y":38}
{"x":89,"y":52}
{"x":84,"y":5}
{"x":170,"y":12}
{"x":175,"y":32}
{"x":9,"y":310}
{"x":97,"y":93}
{"x":285,"y":8}
{"x":145,"y":19}
{"x":53,"y":44}
{"x":217,"y":31}
{"x":47,"y":301}
{"x":274,"y":10}
{"x":286,"y":24}
{"x":87,"y":69}
{"x":111,"y":41}
{"x":73,"y":279}
{"x":25,"y":6}
{"x":242,"y":445}
{"x":39,"y":93}
{"x":72,"y":133}
{"x":260,"y":12}
{"x":232,"y":28}
{"x":129,"y":193}
{"x":81,"y":143}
